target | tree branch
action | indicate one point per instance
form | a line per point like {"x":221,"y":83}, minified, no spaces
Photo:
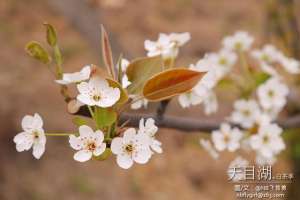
{"x":184,"y":123}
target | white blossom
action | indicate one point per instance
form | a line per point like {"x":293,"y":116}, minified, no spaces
{"x":268,"y":141}
{"x":268,"y":54}
{"x":149,"y":129}
{"x":227,"y":138}
{"x":239,"y":41}
{"x":76,"y":77}
{"x":207,"y":146}
{"x":138,"y":102}
{"x":97,"y":92}
{"x":190,"y":98}
{"x":202,"y":91}
{"x":124,"y":64}
{"x":131,"y":148}
{"x":32,"y":136}
{"x":236,"y":169}
{"x":167,"y":45}
{"x":163,"y":46}
{"x":179,"y":39}
{"x":245,"y":112}
{"x":291,"y":65}
{"x":210,"y":103}
{"x":87,"y":144}
{"x":272,"y":94}
{"x":262,"y":160}
{"x":223,"y":61}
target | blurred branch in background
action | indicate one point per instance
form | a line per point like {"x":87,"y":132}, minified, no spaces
{"x":86,"y":20}
{"x":282,"y":26}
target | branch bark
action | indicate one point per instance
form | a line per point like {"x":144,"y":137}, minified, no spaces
{"x":184,"y":123}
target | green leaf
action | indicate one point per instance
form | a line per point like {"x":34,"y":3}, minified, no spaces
{"x":260,"y":78}
{"x":78,"y":121}
{"x":35,"y":50}
{"x":51,"y":34}
{"x":105,"y":116}
{"x":226,"y":83}
{"x":140,"y":70}
{"x":104,"y":155}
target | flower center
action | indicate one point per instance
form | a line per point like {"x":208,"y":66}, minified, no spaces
{"x":223,"y":61}
{"x":96,"y":97}
{"x":129,"y":148}
{"x":226,"y":138}
{"x":265,"y":139}
{"x":238,"y":45}
{"x":246,"y":113}
{"x":265,"y":57}
{"x":271,"y":93}
{"x":35,"y":134}
{"x":91,"y":146}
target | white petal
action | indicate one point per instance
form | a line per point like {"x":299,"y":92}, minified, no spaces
{"x":99,"y":136}
{"x":142,"y":156}
{"x":109,"y":97}
{"x":62,"y":82}
{"x":129,"y":135}
{"x":38,"y":150}
{"x":100,"y":149}
{"x":99,"y":83}
{"x":116,"y":145}
{"x":23,"y":141}
{"x":85,"y":99}
{"x":75,"y":142}
{"x":85,"y":131}
{"x":83,"y":88}
{"x":83,"y":155}
{"x":184,"y":101}
{"x":156,"y":146}
{"x":124,"y":161}
{"x":32,"y":122}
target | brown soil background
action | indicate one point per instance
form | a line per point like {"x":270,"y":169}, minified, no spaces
{"x":184,"y":171}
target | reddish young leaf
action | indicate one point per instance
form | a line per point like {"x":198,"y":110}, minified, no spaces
{"x":140,"y":70}
{"x":106,"y":53}
{"x":170,"y":83}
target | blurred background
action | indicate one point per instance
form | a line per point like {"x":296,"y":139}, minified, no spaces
{"x":184,"y":170}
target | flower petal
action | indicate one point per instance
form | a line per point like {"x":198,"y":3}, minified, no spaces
{"x":142,"y":156}
{"x":85,"y":131}
{"x":38,"y":150}
{"x":100,"y":149}
{"x":116,"y":145}
{"x":23,"y":141}
{"x":124,"y":161}
{"x":83,"y":155}
{"x":75,"y":142}
{"x":129,"y":135}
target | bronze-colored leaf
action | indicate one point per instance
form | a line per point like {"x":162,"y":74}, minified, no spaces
{"x":140,"y":70}
{"x":106,"y":53}
{"x":170,"y":83}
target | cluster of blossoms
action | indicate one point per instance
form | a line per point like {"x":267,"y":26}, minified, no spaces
{"x":93,"y":91}
{"x":250,"y":127}
{"x":254,"y":115}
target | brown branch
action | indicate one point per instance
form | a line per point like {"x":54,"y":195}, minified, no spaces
{"x":184,"y":123}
